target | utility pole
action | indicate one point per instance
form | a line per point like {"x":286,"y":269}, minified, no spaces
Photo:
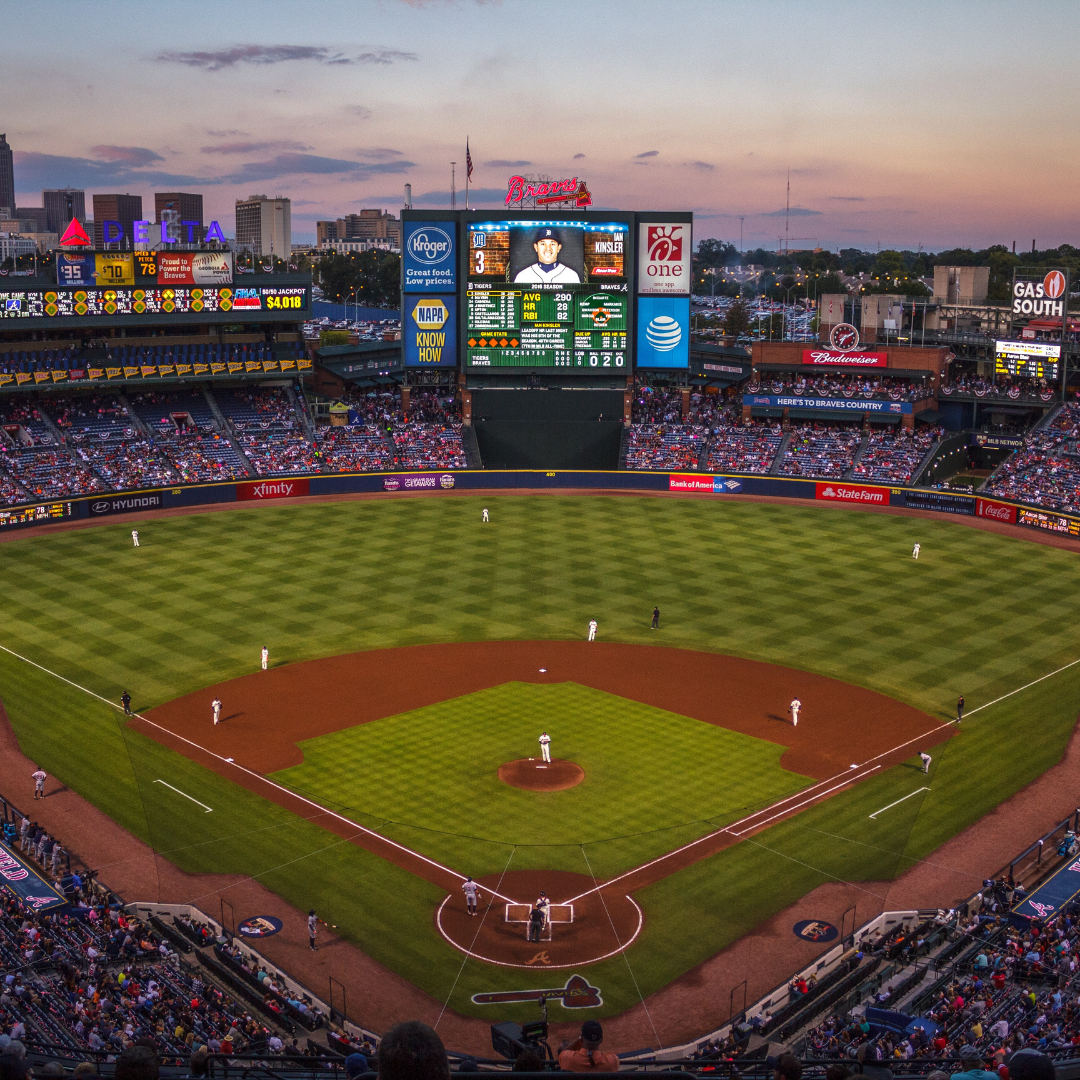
{"x":453,"y":187}
{"x":742,"y":218}
{"x":787,"y":214}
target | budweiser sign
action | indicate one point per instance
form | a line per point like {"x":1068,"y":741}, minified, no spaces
{"x":546,"y":193}
{"x":847,"y":359}
{"x":987,"y":508}
{"x":852,"y":493}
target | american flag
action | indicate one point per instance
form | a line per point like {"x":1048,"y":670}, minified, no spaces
{"x":468,"y":161}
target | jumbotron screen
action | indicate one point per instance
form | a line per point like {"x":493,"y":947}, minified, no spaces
{"x":548,"y":294}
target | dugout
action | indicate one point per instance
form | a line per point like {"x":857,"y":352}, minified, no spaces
{"x":548,"y":428}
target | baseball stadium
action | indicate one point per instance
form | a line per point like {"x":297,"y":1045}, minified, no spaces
{"x":539,"y":663}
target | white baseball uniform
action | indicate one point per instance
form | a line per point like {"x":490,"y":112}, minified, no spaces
{"x":558,"y":272}
{"x":542,"y":903}
{"x":216,"y":706}
{"x":470,"y":889}
{"x":265,"y":654}
{"x":545,"y":746}
{"x":592,"y":629}
{"x":795,"y":706}
{"x":926,"y":759}
{"x":39,"y":783}
{"x":135,"y":537}
{"x":485,"y":514}
{"x":915,"y":551}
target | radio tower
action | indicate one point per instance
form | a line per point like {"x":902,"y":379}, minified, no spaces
{"x":787,"y":214}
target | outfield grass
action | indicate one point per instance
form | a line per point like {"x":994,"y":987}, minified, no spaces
{"x":654,"y":780}
{"x":826,"y":590}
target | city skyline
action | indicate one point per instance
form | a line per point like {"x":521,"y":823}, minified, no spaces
{"x":906,"y":126}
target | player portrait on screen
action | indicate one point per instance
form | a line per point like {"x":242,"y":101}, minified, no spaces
{"x":548,"y":244}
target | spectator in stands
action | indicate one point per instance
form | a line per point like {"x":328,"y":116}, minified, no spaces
{"x":584,"y":1054}
{"x":199,"y":1064}
{"x":528,"y":1060}
{"x":1030,"y":1064}
{"x":412,"y":1051}
{"x":137,"y":1062}
{"x":355,"y":1065}
{"x":786,"y":1067}
{"x":973,"y":1061}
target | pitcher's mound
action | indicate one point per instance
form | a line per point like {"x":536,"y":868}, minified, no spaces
{"x":534,"y":774}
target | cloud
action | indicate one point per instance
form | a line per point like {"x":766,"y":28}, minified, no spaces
{"x":846,"y":198}
{"x":648,"y":154}
{"x":476,"y":195}
{"x":253,"y":147}
{"x":702,"y":165}
{"x":231,"y":133}
{"x":380,"y":153}
{"x":360,"y":110}
{"x":500,"y":163}
{"x":291,"y":164}
{"x":795,"y":211}
{"x":577,"y":157}
{"x":34,"y":171}
{"x":132,"y":155}
{"x":220,"y":59}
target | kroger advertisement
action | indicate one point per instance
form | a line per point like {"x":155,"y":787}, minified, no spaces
{"x":429,"y":256}
{"x":855,"y":405}
{"x":663,"y":334}
{"x":429,"y":330}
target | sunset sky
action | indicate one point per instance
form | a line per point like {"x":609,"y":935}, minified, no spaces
{"x":902,"y":124}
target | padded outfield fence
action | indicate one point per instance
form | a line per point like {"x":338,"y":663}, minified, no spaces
{"x":433,"y":482}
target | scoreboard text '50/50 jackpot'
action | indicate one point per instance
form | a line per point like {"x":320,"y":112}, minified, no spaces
{"x":547,"y":294}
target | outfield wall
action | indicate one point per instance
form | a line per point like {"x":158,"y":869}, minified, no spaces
{"x":435,"y":482}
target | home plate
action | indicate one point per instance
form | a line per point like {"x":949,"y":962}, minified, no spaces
{"x":543,"y":671}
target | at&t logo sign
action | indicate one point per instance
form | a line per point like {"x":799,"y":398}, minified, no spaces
{"x":430,"y":245}
{"x":664,"y":333}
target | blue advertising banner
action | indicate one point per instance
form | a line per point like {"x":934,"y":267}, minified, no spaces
{"x":1052,"y":895}
{"x":22,"y":881}
{"x":75,"y":269}
{"x":854,"y":405}
{"x":429,"y":331}
{"x":429,"y":256}
{"x":663,"y":336}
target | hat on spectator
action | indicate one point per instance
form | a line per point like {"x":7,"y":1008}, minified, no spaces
{"x":355,"y":1064}
{"x":1029,"y":1064}
{"x":970,"y":1053}
{"x":591,"y":1031}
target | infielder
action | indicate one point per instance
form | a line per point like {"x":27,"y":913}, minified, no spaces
{"x":655,"y":619}
{"x":39,"y":777}
{"x":592,"y":629}
{"x":471,"y":889}
{"x":794,"y":708}
{"x":545,"y":745}
{"x":915,"y":552}
{"x":135,"y":537}
{"x":960,"y":708}
{"x":926,"y":759}
{"x":547,"y":243}
{"x":265,"y":655}
{"x":484,"y":516}
{"x":216,"y":706}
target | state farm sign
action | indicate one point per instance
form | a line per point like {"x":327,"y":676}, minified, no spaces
{"x":847,"y":359}
{"x":987,"y":508}
{"x":272,"y":489}
{"x":663,"y":258}
{"x":851,"y":493}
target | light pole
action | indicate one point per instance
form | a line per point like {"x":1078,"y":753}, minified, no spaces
{"x":355,"y":311}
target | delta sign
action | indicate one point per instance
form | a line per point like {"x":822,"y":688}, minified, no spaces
{"x":112,"y":232}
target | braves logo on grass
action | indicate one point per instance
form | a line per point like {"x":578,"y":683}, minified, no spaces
{"x":815,"y":930}
{"x":577,"y":993}
{"x":259,"y":926}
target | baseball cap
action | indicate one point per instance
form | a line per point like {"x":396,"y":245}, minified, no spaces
{"x":970,"y":1053}
{"x":592,"y":1031}
{"x":355,"y":1064}
{"x":547,"y":234}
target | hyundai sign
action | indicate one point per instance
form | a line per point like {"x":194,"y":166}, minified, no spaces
{"x":663,"y":332}
{"x":429,"y":256}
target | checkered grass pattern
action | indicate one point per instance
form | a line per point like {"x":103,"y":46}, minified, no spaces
{"x":654,"y":780}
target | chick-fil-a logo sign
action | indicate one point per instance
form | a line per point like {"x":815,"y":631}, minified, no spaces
{"x":551,"y":191}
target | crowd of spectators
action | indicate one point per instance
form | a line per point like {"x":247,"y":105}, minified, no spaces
{"x":825,"y":451}
{"x":894,"y":454}
{"x":354,"y":448}
{"x":1046,"y":471}
{"x":48,"y":474}
{"x":857,"y":384}
{"x":430,"y":438}
{"x":268,"y":430}
{"x":664,"y":446}
{"x":745,"y":447}
{"x":656,"y":405}
{"x":998,"y":386}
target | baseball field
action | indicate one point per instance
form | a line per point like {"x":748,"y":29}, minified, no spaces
{"x":359,"y":775}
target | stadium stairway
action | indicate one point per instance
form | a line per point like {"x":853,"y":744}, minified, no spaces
{"x":859,"y":451}
{"x":227,"y":431}
{"x":300,"y":408}
{"x":924,"y":464}
{"x":472,"y":448}
{"x":624,"y":446}
{"x":702,"y":463}
{"x":774,"y":469}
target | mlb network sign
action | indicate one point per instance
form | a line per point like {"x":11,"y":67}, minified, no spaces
{"x":429,"y":256}
{"x":664,"y":250}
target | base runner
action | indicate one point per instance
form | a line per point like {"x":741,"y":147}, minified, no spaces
{"x":794,"y":708}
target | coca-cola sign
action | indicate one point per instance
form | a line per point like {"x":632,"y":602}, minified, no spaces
{"x":986,"y":508}
{"x":519,"y":190}
{"x":847,"y":359}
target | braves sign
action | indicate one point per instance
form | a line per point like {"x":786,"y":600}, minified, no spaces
{"x":547,"y":193}
{"x":664,"y":262}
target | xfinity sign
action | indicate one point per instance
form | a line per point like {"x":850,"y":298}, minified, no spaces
{"x":429,"y":256}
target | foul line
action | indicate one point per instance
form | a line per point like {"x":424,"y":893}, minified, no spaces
{"x":972,"y":712}
{"x":898,"y":802}
{"x":208,"y":809}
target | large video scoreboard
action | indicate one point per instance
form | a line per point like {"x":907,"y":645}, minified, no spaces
{"x":1029,"y":359}
{"x":547,"y":294}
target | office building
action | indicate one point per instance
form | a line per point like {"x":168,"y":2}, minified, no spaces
{"x":264,"y":226}
{"x":35,"y":217}
{"x":179,"y":207}
{"x":62,"y":205}
{"x":126,"y":209}
{"x":7,"y":177}
{"x":367,"y":225}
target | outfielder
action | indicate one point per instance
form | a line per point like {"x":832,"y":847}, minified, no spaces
{"x":655,"y":619}
{"x":926,"y":759}
{"x":216,"y":706}
{"x":135,"y":537}
{"x":915,"y":551}
{"x":545,"y":745}
{"x":471,"y":889}
{"x":39,"y":777}
{"x":592,"y":629}
{"x":265,"y":655}
{"x":312,"y":927}
{"x":794,"y":708}
{"x":484,"y":516}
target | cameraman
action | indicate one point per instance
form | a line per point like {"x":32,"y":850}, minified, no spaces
{"x":583,"y":1055}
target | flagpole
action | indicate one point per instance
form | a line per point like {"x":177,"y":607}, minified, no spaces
{"x":468,"y":170}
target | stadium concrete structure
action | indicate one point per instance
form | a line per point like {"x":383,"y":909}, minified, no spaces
{"x":702,"y":856}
